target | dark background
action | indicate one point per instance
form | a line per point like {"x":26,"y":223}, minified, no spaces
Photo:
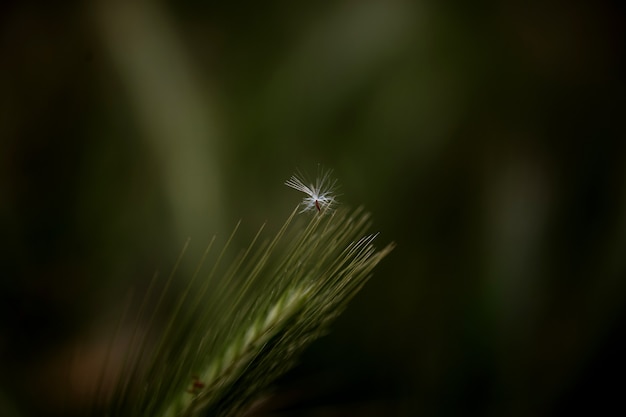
{"x":487,"y":139}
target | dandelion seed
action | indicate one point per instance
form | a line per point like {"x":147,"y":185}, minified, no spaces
{"x":320,"y":196}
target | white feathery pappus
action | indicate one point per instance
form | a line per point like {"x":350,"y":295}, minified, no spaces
{"x":320,"y":195}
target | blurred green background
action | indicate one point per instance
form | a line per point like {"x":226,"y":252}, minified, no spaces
{"x":487,"y":138}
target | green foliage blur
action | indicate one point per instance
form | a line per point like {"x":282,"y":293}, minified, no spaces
{"x":486,"y":138}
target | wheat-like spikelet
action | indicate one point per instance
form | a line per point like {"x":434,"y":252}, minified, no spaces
{"x":243,"y":324}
